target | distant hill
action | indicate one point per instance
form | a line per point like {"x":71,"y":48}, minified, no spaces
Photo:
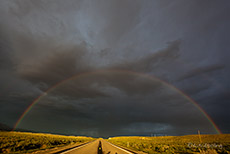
{"x":4,"y":127}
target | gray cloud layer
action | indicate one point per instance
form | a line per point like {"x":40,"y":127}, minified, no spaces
{"x":182,"y":43}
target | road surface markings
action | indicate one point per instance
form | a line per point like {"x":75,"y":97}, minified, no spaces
{"x":120,"y":148}
{"x":76,"y":148}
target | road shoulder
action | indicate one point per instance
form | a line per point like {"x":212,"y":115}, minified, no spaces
{"x":57,"y":150}
{"x":125,"y":148}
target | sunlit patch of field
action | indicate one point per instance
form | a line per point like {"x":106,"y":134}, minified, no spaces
{"x":205,"y":144}
{"x":20,"y":142}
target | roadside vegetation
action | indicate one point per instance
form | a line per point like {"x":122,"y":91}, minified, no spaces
{"x":20,"y":142}
{"x":189,"y":144}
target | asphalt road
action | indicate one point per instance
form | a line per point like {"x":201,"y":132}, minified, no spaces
{"x":99,"y":146}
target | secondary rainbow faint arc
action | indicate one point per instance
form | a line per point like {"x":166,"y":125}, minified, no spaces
{"x":117,"y":71}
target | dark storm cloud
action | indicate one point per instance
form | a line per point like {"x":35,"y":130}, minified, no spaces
{"x":114,"y":114}
{"x":202,"y":70}
{"x":56,"y":67}
{"x":150,"y":62}
{"x":183,"y":43}
{"x":5,"y":60}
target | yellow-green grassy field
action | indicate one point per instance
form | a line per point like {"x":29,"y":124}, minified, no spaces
{"x":206,"y":144}
{"x":19,"y":142}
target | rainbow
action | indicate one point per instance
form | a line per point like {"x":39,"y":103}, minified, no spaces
{"x":85,"y":74}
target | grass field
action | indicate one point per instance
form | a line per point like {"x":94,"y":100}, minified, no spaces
{"x":18,"y":142}
{"x":205,"y":144}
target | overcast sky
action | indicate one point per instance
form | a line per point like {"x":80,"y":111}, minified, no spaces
{"x":116,"y":45}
